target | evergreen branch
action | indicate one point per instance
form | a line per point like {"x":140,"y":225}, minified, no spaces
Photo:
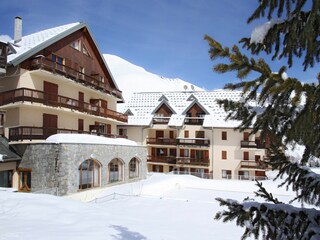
{"x":262,"y":192}
{"x":274,"y":221}
{"x":294,"y":31}
{"x":300,"y":178}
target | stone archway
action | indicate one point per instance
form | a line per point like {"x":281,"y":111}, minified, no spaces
{"x":89,"y":174}
{"x":115,"y":170}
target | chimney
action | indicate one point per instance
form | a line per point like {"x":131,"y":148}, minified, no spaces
{"x":17,"y":29}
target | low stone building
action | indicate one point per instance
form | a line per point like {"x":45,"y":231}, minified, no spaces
{"x":62,"y":167}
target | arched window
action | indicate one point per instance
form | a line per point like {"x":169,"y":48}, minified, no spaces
{"x":134,"y":168}
{"x":89,"y":174}
{"x":115,"y":170}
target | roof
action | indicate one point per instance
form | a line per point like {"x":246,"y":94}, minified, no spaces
{"x":6,"y":154}
{"x":143,"y":106}
{"x":33,"y":43}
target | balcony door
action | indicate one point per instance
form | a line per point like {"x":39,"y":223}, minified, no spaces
{"x":50,"y":93}
{"x":50,"y":124}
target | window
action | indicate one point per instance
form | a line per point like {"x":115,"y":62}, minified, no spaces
{"x":245,"y":136}
{"x":115,"y":170}
{"x":199,"y":134}
{"x":224,"y":135}
{"x":224,"y":155}
{"x":186,"y":133}
{"x":76,"y":44}
{"x":245,"y":155}
{"x":24,"y":179}
{"x":134,"y":168}
{"x":171,"y":134}
{"x":57,"y":59}
{"x":226,"y":174}
{"x":6,"y":178}
{"x":160,"y":152}
{"x":122,"y":131}
{"x":199,"y":154}
{"x":244,"y":175}
{"x":89,"y":174}
{"x":85,"y":50}
{"x":184,"y":153}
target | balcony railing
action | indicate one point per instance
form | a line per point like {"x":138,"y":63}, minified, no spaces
{"x":193,"y":161}
{"x":42,"y":133}
{"x":25,"y":94}
{"x":194,"y":141}
{"x":162,"y":159}
{"x":179,"y":160}
{"x":252,"y":144}
{"x":193,"y":120}
{"x":161,"y":120}
{"x":162,"y":141}
{"x":57,"y":68}
{"x":254,"y":164}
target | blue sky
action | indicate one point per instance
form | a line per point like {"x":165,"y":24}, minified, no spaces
{"x":163,"y":36}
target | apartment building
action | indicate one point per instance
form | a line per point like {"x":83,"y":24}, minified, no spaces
{"x":186,"y":132}
{"x":56,"y":81}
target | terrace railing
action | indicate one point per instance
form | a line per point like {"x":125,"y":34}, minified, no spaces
{"x":42,"y":133}
{"x":57,"y":68}
{"x":194,"y":141}
{"x":30,"y":95}
{"x":162,"y":141}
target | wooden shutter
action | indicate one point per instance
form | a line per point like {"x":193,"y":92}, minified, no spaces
{"x":245,"y":155}
{"x":224,"y":155}
{"x":80,"y":124}
{"x":245,"y":136}
{"x":193,"y":153}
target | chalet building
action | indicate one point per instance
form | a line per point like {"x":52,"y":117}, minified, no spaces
{"x":56,"y":81}
{"x":186,"y":132}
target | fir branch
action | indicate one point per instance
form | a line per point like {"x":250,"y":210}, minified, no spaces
{"x":274,"y":221}
{"x":262,"y":192}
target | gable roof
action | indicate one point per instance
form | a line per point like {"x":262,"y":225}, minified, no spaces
{"x":163,"y":102}
{"x":33,"y":43}
{"x":195,"y":102}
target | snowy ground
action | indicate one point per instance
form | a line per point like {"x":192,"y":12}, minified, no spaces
{"x":160,"y":207}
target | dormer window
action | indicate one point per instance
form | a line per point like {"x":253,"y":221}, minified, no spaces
{"x":76,"y":44}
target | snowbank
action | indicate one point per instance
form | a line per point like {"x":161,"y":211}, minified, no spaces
{"x":89,"y":139}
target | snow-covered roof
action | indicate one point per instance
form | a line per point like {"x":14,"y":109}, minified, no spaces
{"x":31,"y":44}
{"x":88,"y":139}
{"x":143,"y":104}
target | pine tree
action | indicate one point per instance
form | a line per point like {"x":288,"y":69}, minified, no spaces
{"x":290,"y":115}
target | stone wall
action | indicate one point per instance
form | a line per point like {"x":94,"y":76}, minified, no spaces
{"x":55,"y":167}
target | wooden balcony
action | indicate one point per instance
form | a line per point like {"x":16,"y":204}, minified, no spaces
{"x":56,"y":68}
{"x":162,"y":159}
{"x":193,"y":141}
{"x":42,"y":133}
{"x":179,"y":160}
{"x":252,"y":144}
{"x":29,"y":95}
{"x":193,"y":120}
{"x":162,"y":141}
{"x":254,"y":164}
{"x":161,"y":120}
{"x":193,"y":161}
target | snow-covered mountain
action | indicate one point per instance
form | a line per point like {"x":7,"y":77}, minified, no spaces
{"x":131,"y":78}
